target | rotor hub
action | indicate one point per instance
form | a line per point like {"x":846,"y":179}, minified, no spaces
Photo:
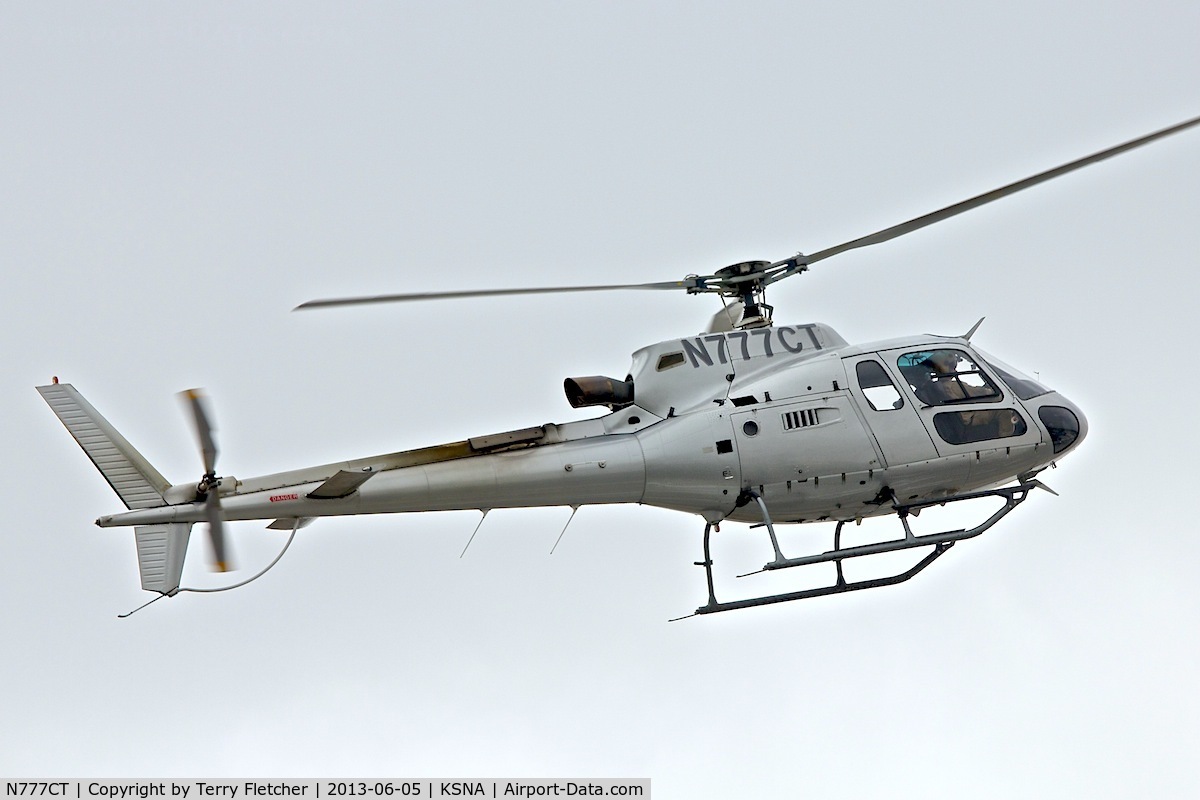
{"x":743,"y":271}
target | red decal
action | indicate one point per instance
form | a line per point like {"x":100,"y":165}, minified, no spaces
{"x":275,"y":498}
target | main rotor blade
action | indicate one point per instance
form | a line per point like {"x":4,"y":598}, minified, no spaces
{"x":987,"y":197}
{"x":403,"y":298}
{"x":216,"y":530}
{"x":204,"y":429}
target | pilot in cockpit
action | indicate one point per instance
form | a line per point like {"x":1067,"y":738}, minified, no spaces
{"x":934,"y":379}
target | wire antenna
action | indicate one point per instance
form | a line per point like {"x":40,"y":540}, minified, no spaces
{"x":477,"y":527}
{"x":564,"y":530}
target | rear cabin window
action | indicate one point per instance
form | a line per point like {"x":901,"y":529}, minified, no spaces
{"x":946,"y":377}
{"x":878,"y":388}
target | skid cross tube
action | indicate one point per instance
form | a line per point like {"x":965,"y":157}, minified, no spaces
{"x":941,"y":542}
{"x":1013,"y":497}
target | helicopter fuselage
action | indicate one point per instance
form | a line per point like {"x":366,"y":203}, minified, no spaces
{"x":819,"y":429}
{"x":749,"y":421}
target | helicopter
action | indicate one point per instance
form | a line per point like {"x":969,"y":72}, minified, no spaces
{"x":748,"y":421}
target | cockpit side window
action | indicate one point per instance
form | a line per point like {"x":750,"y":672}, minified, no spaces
{"x":945,"y":377}
{"x":877,"y":387}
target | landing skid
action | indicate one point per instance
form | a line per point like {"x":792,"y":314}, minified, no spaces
{"x":941,"y":542}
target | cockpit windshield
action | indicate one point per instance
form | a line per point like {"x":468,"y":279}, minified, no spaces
{"x":1021,"y":384}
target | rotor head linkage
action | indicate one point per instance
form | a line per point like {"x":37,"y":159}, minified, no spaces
{"x":745,"y":282}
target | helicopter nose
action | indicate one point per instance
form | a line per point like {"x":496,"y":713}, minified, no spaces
{"x":1065,"y":423}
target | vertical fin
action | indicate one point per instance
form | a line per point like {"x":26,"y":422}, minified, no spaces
{"x":161,"y":550}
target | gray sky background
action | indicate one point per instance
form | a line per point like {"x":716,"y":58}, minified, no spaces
{"x":175,"y":178}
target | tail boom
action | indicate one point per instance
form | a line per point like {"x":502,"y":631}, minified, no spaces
{"x":600,"y":470}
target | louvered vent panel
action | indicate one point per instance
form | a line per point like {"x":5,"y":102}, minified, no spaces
{"x":804,"y":418}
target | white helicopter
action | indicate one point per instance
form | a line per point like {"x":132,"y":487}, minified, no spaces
{"x":748,"y":421}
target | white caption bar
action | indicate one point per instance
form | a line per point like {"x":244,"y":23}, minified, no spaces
{"x":427,"y":788}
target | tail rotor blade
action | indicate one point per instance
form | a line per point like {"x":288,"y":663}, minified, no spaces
{"x":204,"y":428}
{"x":207,"y":490}
{"x":216,"y":531}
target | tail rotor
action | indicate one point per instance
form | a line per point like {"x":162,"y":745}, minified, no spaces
{"x":207,"y":489}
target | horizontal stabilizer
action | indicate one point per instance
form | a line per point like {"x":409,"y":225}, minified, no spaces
{"x":290,"y":523}
{"x":136,"y":482}
{"x":343,"y":484}
{"x":161,"y":550}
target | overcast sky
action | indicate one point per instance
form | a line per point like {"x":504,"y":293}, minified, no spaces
{"x":174,"y":178}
